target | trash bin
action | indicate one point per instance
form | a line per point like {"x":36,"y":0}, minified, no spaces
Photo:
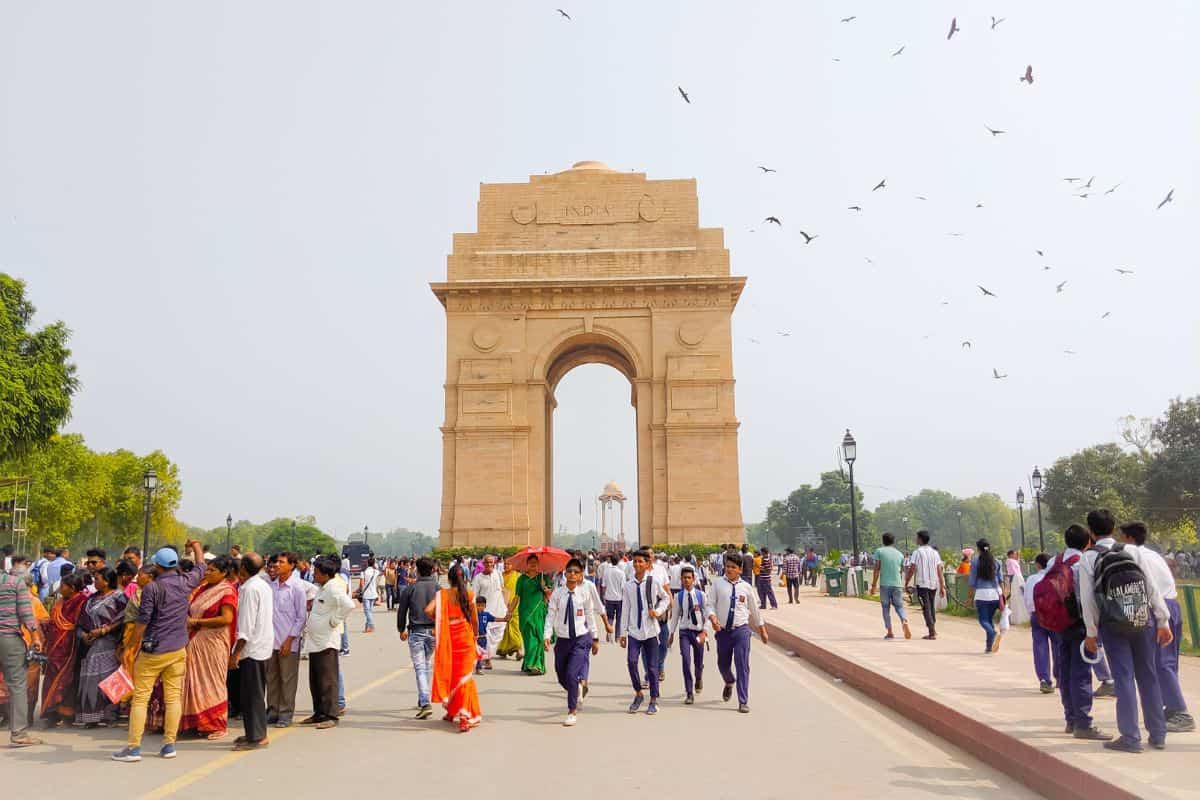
{"x":835,"y":582}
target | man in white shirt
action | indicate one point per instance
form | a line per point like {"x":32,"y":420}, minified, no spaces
{"x":732,"y":610}
{"x":1130,"y":657}
{"x":1166,"y":661}
{"x":253,"y":648}
{"x":689,"y":613}
{"x":926,"y":567}
{"x":645,"y":601}
{"x":489,"y":585}
{"x":571,"y":617}
{"x":322,"y":640}
{"x":614,"y":589}
{"x":1045,"y":642}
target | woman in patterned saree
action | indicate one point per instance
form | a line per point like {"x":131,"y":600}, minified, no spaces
{"x":62,"y":652}
{"x":211,"y":614}
{"x":100,"y":627}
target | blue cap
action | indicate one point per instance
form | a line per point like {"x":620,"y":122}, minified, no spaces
{"x":166,"y":558}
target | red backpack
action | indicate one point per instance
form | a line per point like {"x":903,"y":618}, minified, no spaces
{"x":1054,"y":597}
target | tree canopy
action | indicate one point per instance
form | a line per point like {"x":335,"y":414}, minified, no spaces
{"x":37,"y":378}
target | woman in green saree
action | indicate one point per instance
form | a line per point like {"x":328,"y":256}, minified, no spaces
{"x":532,"y":590}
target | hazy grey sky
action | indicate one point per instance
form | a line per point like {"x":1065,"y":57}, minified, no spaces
{"x":238,"y":206}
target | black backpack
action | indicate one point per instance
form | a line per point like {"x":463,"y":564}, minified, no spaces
{"x":1122,"y":595}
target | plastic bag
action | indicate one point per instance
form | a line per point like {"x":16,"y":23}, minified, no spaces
{"x":118,"y":686}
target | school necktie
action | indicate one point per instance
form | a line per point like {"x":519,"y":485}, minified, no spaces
{"x":732,"y":604}
{"x":641,"y":609}
{"x":692,"y":610}
{"x":570,"y":615}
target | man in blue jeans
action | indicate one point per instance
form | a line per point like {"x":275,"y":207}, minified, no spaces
{"x":416,"y":628}
{"x":886,"y":577}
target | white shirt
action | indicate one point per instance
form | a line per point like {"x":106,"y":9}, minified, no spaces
{"x":323,"y":628}
{"x":584,"y":606}
{"x":676,"y":581}
{"x":254,"y":618}
{"x":745,"y":609}
{"x":614,"y":582}
{"x":1031,"y":582}
{"x":661,"y":571}
{"x":1156,"y":569}
{"x":491,"y":588}
{"x":1086,"y":587}
{"x":928,"y":567}
{"x":369,"y":583}
{"x":647,"y":627}
{"x":680,"y":618}
{"x":627,"y":569}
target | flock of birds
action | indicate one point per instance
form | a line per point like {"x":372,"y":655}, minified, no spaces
{"x":1084,"y":189}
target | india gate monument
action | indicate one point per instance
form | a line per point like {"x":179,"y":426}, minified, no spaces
{"x":588,"y":266}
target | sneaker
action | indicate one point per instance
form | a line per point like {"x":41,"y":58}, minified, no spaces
{"x":727,"y":692}
{"x":699,"y":684}
{"x":24,"y":740}
{"x":653,"y":707}
{"x":168,"y":751}
{"x":689,"y":700}
{"x":570,"y":721}
{"x":1070,"y":728}
{"x":425,"y":712}
{"x":128,"y":755}
{"x":1046,"y":687}
{"x":1180,"y":722}
{"x":1092,"y":733}
{"x":1158,"y":744}
{"x":743,"y":708}
{"x":889,"y":635}
{"x":283,"y":723}
{"x":636,"y":704}
{"x":1107,"y":689}
{"x":1123,"y":746}
{"x":907,"y":632}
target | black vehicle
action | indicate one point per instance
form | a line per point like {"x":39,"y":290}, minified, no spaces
{"x":357,"y":553}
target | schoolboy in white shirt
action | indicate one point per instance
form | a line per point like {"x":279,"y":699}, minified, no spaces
{"x":688,"y":617}
{"x":732,"y":611}
{"x":571,"y":618}
{"x":643,"y":604}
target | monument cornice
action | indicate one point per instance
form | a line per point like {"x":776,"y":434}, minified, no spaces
{"x":530,"y":294}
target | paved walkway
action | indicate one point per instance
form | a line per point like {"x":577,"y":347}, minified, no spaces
{"x":999,"y":689}
{"x":806,"y":735}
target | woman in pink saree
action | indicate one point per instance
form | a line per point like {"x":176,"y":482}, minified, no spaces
{"x":211,"y":615}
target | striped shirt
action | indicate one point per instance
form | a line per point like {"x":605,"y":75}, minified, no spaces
{"x":15,"y":606}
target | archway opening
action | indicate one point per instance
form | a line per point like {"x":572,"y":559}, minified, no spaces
{"x":591,"y":422}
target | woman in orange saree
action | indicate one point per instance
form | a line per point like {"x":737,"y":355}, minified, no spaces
{"x":211,"y":614}
{"x":62,"y":653}
{"x":454,"y":652}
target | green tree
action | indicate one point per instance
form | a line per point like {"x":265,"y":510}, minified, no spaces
{"x":1102,"y":476}
{"x":1173,"y":475}
{"x":825,"y":509}
{"x":69,"y":483}
{"x":276,"y":536}
{"x":37,"y":379}
{"x":901,"y":518}
{"x":936,"y":510}
{"x":985,"y":516}
{"x":123,"y":512}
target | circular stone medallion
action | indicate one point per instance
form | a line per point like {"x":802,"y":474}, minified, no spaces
{"x":485,"y":338}
{"x":690,"y":334}
{"x":648,"y":209}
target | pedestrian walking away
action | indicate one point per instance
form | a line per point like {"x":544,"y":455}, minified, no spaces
{"x":929,"y":574}
{"x":886,"y":577}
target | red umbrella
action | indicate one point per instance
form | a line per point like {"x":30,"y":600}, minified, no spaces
{"x":550,"y":559}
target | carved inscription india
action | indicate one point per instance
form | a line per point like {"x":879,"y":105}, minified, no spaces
{"x":566,"y":209}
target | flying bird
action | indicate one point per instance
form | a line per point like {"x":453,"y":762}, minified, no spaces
{"x":849,"y":19}
{"x":684,"y":94}
{"x":996,"y":22}
{"x":967,"y":345}
{"x":565,"y":14}
{"x":945,"y":303}
{"x":1105,"y":315}
{"x":898,"y":52}
{"x":883,"y":184}
{"x":953,"y":28}
{"x":922,"y":197}
{"x":766,"y":170}
{"x":1070,"y":180}
{"x":979,"y":205}
{"x":1058,"y":289}
{"x":1123,"y":271}
{"x":993,"y":131}
{"x":1088,"y":185}
{"x":808,"y":239}
{"x":986,"y":293}
{"x":756,"y":341}
{"x":1070,"y":352}
{"x":1113,"y":189}
{"x":775,"y":220}
{"x":1046,"y":268}
{"x":868,"y":260}
{"x":996,"y":374}
{"x":1168,"y":199}
{"x":1083,"y":196}
{"x":1039,"y":252}
{"x":1028,"y":76}
{"x":784,"y":333}
{"x":954,"y":234}
{"x":854,"y":208}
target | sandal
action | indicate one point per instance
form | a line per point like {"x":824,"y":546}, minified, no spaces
{"x":25,"y":741}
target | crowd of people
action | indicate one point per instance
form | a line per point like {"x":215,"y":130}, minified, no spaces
{"x":1106,"y":605}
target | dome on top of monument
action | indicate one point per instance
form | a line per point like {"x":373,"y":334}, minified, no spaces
{"x":597,"y":166}
{"x":611,"y":489}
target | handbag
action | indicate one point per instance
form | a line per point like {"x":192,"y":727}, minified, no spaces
{"x":117,"y":686}
{"x":359,"y":594}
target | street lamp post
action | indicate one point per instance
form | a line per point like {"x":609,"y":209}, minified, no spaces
{"x":228,"y":534}
{"x":1037,"y":493}
{"x":150,"y":484}
{"x":850,"y":453}
{"x":366,"y":538}
{"x":904,"y":519}
{"x":961,"y":544}
{"x":1021,"y":512}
